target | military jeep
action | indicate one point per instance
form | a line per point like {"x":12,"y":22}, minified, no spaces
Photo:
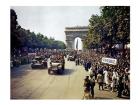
{"x":57,"y":64}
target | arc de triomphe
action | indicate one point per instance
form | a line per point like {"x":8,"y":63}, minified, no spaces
{"x":74,"y":32}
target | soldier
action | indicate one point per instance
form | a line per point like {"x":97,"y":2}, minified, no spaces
{"x":92,"y":85}
{"x":85,"y":65}
{"x":100,"y":80}
{"x":120,"y":85}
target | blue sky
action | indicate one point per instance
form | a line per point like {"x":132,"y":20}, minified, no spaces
{"x":52,"y":20}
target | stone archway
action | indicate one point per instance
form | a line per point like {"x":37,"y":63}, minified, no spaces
{"x":73,"y":32}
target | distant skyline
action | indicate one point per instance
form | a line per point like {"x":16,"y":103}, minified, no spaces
{"x":52,"y":20}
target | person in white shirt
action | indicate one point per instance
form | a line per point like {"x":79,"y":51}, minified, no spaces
{"x":114,"y":80}
{"x":106,"y":79}
{"x":90,"y":71}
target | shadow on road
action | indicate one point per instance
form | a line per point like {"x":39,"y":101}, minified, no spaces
{"x":124,"y":97}
{"x":18,"y":73}
{"x":68,"y":72}
{"x":104,"y":98}
{"x":39,"y":69}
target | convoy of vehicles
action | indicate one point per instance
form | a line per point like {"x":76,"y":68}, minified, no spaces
{"x":54,"y":62}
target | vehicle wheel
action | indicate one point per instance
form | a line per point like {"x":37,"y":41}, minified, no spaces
{"x":49,"y":72}
{"x":32,"y":67}
{"x":59,"y":71}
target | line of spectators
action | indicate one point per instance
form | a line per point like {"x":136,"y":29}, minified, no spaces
{"x":115,"y":78}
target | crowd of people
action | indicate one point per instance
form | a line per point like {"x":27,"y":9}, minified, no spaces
{"x":25,"y":55}
{"x":115,"y":78}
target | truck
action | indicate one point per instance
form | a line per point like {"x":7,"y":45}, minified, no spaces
{"x":39,"y":62}
{"x":57,"y":64}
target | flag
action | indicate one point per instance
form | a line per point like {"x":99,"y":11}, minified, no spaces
{"x":77,"y":45}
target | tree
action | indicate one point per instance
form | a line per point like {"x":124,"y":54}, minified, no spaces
{"x":119,"y":17}
{"x":112,"y":27}
{"x":21,"y":37}
{"x":13,"y":28}
{"x":94,"y":34}
{"x":24,"y":41}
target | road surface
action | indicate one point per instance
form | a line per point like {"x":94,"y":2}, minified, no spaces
{"x":27,"y":83}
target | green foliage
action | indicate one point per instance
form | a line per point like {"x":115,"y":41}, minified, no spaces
{"x":113,"y":26}
{"x":94,"y":33}
{"x":119,"y":17}
{"x":21,"y":37}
